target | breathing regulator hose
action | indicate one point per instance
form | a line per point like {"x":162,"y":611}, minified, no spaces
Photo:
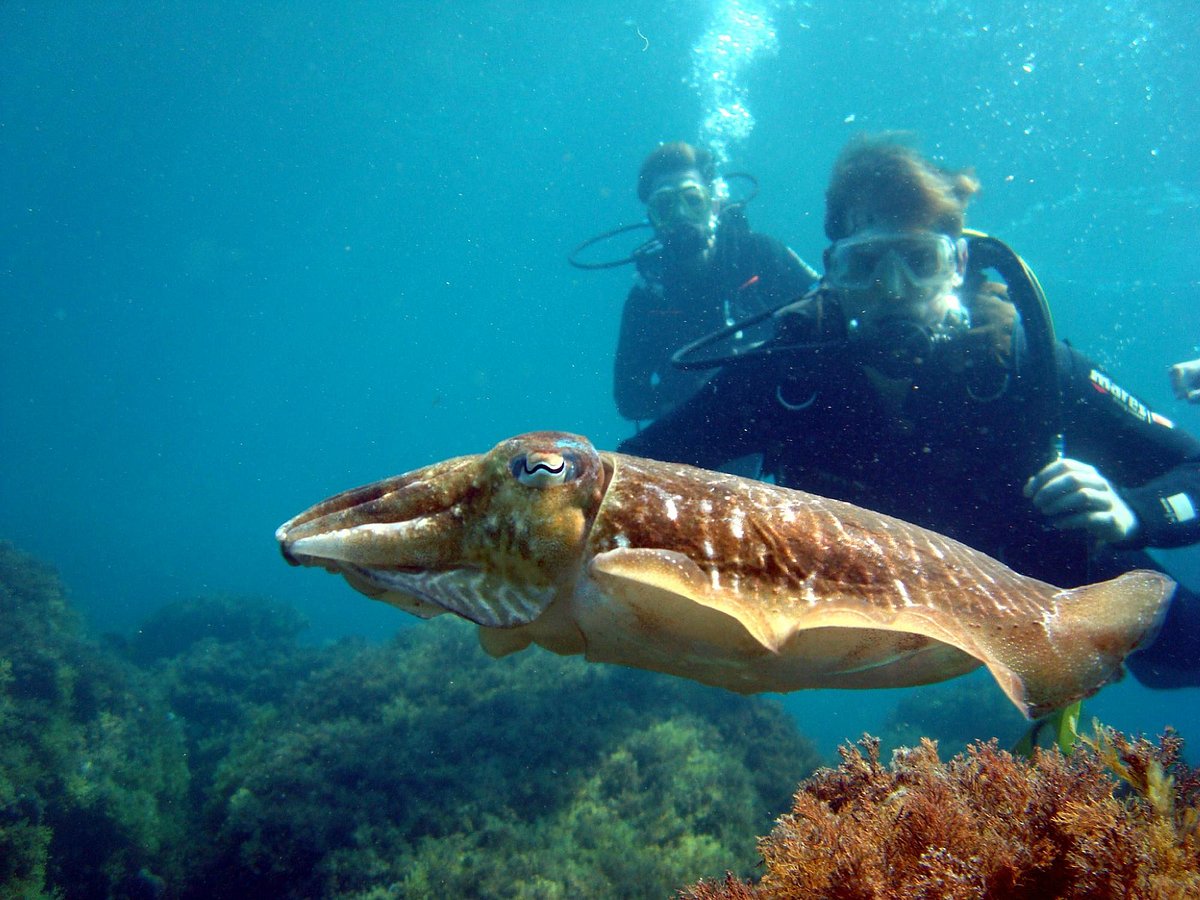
{"x":1025,"y":291}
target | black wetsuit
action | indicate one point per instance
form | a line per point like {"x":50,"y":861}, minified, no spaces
{"x":952,"y":454}
{"x":748,"y":272}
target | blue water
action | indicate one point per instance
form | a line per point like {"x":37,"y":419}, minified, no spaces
{"x":252,"y":254}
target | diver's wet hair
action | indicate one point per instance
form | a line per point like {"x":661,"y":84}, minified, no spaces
{"x":881,"y":181}
{"x":674,"y":157}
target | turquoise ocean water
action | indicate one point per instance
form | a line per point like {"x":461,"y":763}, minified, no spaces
{"x":253,"y":254}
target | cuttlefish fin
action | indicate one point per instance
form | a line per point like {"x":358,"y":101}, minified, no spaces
{"x":498,"y":642}
{"x":1089,"y":630}
{"x":666,"y":592}
{"x":1067,"y":653}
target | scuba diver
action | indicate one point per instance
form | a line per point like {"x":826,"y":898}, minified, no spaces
{"x":910,"y":382}
{"x":703,"y":268}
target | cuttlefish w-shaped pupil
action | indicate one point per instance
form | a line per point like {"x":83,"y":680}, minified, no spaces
{"x":542,"y":469}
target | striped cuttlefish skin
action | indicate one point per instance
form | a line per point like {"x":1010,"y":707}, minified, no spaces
{"x":725,"y":580}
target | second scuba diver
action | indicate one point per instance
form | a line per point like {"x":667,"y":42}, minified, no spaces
{"x":907,"y":382}
{"x":705,"y":269}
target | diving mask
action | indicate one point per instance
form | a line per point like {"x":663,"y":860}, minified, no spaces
{"x":686,"y":203}
{"x":926,"y":259}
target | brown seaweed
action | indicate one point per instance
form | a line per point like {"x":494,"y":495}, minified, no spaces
{"x":1117,"y":818}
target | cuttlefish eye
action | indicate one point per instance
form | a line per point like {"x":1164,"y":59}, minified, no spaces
{"x":544,"y":469}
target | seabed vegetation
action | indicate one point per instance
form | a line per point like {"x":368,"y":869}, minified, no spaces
{"x":214,"y":754}
{"x":211,"y":754}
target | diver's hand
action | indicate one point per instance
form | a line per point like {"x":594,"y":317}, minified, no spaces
{"x":1185,"y":379}
{"x":1075,"y":495}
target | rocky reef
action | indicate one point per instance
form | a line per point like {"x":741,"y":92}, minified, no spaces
{"x":1117,"y":818}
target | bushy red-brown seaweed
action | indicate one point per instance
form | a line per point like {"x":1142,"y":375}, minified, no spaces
{"x":1117,"y":818}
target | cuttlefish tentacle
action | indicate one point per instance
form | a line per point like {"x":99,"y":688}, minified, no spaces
{"x":724,"y":580}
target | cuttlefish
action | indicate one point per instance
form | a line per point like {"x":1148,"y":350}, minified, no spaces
{"x":724,"y":580}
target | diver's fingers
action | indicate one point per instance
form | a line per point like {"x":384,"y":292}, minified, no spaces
{"x":1089,"y":521}
{"x":1047,"y":472}
{"x":1072,"y":481}
{"x":1111,"y":525}
{"x":1064,"y":466}
{"x":1084,"y":500}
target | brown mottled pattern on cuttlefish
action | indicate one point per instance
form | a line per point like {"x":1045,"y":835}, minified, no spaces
{"x":800,"y":550}
{"x":808,"y":561}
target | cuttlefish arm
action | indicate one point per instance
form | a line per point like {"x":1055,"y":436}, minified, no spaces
{"x":724,"y":580}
